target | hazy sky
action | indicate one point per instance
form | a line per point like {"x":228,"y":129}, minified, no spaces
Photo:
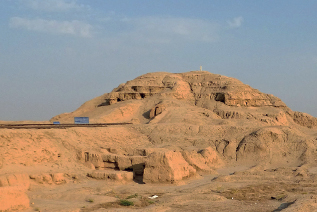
{"x":57,"y":54}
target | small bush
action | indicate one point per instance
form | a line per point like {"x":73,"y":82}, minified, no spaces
{"x":90,"y":200}
{"x":281,"y":197}
{"x":132,"y":196}
{"x":125,"y":202}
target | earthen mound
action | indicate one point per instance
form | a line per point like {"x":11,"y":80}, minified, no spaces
{"x":181,"y":127}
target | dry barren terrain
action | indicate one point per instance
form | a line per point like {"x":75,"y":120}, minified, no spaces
{"x":193,"y":141}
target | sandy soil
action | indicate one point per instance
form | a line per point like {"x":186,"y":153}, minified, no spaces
{"x":224,"y":192}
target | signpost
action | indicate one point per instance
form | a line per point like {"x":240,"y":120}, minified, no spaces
{"x":81,"y":120}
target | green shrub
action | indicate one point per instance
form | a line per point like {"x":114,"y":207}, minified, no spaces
{"x":125,"y":202}
{"x":132,"y":196}
{"x":90,"y":200}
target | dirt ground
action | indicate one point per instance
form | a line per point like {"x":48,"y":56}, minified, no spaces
{"x":225,"y":192}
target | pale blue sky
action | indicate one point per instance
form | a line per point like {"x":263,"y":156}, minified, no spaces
{"x":57,"y":54}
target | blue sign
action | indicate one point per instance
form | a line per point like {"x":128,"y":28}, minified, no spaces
{"x":56,"y":122}
{"x":81,"y":120}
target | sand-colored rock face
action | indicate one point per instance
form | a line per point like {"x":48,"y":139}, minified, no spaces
{"x":200,"y":109}
{"x":197,"y":86}
{"x":185,"y":126}
{"x":166,"y":166}
{"x":201,"y":88}
{"x":206,"y":160}
{"x":13,"y":198}
{"x":304,"y":119}
{"x":13,"y":189}
{"x":273,"y":145}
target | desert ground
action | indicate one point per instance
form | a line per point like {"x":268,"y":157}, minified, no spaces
{"x":192,"y":141}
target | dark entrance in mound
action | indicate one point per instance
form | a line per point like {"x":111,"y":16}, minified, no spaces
{"x":220,"y":97}
{"x":142,"y":95}
{"x":138,"y":171}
